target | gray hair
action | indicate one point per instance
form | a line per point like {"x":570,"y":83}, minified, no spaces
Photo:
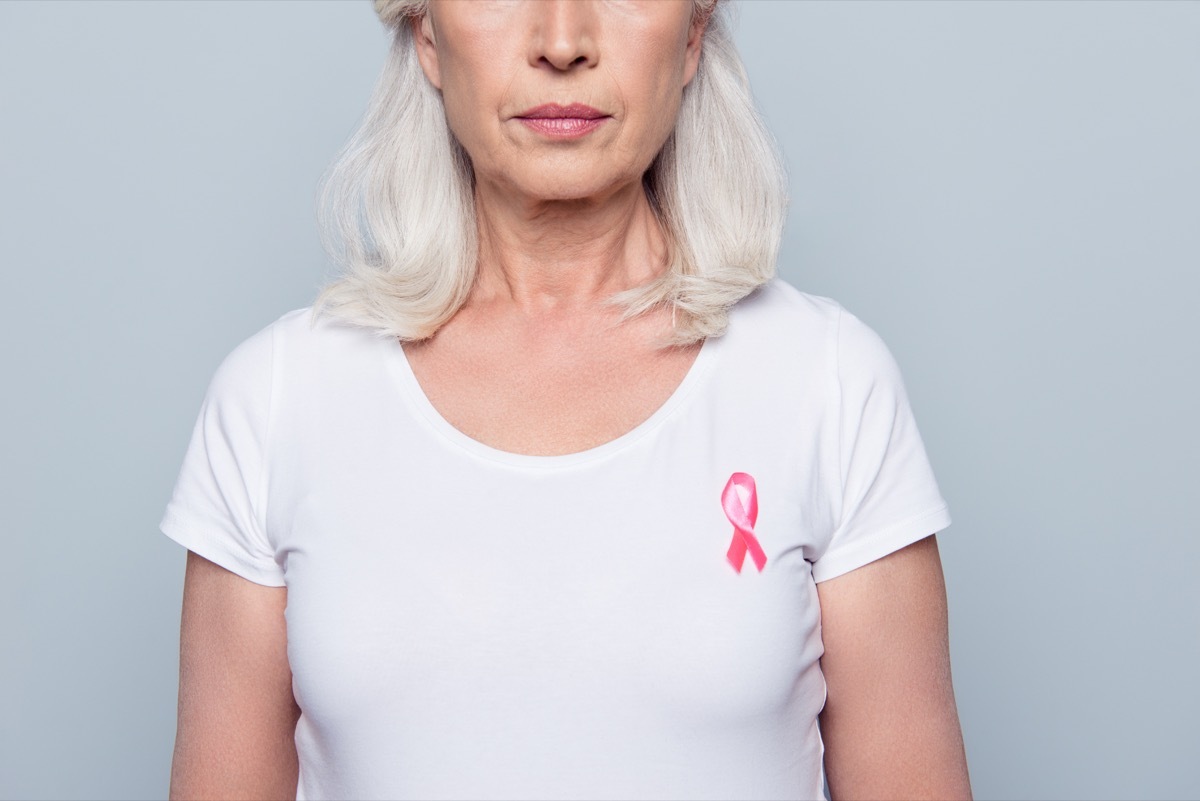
{"x":397,"y":205}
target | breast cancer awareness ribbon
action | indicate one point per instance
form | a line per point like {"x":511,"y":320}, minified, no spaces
{"x":740,"y":501}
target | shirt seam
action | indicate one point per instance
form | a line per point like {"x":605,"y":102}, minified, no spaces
{"x":838,"y":414}
{"x":262,"y":490}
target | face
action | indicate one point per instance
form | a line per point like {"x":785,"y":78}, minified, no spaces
{"x":615,"y":70}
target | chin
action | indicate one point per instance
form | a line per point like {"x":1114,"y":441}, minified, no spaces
{"x":564,"y":192}
{"x":566,"y":185}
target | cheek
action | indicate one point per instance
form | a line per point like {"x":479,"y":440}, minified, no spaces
{"x":461,"y":107}
{"x":650,"y":74}
{"x":654,"y":94}
{"x":470,"y":98}
{"x":474,"y":51}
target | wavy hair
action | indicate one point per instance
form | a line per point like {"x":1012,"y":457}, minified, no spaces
{"x":397,"y":215}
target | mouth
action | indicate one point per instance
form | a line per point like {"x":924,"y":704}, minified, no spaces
{"x":553,"y":111}
{"x":563,"y":122}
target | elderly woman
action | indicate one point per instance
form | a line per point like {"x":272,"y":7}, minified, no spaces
{"x":557,"y":491}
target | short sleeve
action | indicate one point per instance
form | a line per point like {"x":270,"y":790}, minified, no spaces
{"x":217,"y":506}
{"x":889,"y":497}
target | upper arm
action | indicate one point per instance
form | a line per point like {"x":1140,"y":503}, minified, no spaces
{"x":237,"y":714}
{"x":890,"y":723}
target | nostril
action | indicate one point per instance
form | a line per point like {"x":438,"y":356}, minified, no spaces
{"x":558,"y":64}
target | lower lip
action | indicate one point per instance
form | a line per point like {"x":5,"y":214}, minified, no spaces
{"x":562,"y":127}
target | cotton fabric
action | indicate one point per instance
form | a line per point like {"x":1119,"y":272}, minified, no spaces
{"x":465,"y":622}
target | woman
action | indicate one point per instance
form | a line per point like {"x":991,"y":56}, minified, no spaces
{"x":558,"y":492}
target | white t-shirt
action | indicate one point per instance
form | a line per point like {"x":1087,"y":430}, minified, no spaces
{"x":465,"y":622}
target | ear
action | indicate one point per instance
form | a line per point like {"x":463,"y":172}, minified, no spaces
{"x":695,"y":40}
{"x":426,"y":44}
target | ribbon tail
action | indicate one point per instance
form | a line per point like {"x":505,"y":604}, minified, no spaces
{"x":756,"y":551}
{"x":737,"y":552}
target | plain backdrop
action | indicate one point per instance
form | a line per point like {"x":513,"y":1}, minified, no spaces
{"x":1009,"y":192}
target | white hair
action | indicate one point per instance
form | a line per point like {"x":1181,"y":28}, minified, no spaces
{"x":397,"y":206}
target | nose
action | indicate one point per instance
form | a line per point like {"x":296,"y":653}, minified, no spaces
{"x":564,"y":34}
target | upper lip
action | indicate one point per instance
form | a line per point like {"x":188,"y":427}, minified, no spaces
{"x":577,"y":111}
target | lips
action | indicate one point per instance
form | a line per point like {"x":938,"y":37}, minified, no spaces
{"x":563,"y":123}
{"x":553,"y":111}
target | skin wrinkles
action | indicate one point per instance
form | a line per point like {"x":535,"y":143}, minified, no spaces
{"x":579,"y":201}
{"x":535,"y":361}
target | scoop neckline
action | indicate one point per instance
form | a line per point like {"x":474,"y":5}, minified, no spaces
{"x":411,"y":388}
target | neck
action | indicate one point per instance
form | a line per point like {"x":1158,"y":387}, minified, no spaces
{"x":549,"y":257}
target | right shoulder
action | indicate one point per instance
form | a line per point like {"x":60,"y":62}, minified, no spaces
{"x":293,"y":335}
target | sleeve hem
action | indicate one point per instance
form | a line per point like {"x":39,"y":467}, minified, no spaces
{"x":198,"y":540}
{"x":892,"y":538}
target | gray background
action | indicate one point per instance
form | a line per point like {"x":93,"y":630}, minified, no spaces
{"x":1007,"y":192}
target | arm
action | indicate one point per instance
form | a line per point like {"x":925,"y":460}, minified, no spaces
{"x":890,"y":723}
{"x":237,"y":715}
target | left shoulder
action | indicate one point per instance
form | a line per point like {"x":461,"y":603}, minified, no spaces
{"x":781,"y":309}
{"x":778,"y":296}
{"x":780,"y":312}
{"x":795,"y":324}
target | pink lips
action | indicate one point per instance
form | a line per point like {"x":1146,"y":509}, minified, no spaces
{"x":563,"y":122}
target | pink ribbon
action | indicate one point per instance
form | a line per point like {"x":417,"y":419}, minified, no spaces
{"x":740,"y":501}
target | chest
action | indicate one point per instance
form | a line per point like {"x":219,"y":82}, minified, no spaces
{"x":590,"y":624}
{"x":593,"y":602}
{"x":612,"y":586}
{"x":547,"y":401}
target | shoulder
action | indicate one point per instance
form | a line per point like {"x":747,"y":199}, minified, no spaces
{"x":805,"y":324}
{"x":299,"y":336}
{"x":779,"y":301}
{"x":293,"y":356}
{"x":244,"y":372}
{"x":247,"y":369}
{"x":787,"y":318}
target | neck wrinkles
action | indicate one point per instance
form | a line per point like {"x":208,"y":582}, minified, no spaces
{"x":560,"y":255}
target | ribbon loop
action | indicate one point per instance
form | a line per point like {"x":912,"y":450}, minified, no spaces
{"x":740,"y":502}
